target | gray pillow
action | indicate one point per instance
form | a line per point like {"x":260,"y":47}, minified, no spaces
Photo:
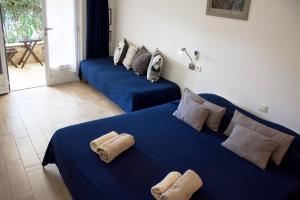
{"x":192,"y":113}
{"x":155,"y":67}
{"x":283,"y":139}
{"x":191,"y":95}
{"x":216,"y":112}
{"x":215,"y":116}
{"x":251,"y":145}
{"x":141,"y":61}
{"x":120,"y":52}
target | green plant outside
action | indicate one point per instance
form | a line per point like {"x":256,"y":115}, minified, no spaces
{"x":22,"y":20}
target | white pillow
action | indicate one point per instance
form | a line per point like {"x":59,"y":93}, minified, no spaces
{"x":120,"y":52}
{"x":127,"y":62}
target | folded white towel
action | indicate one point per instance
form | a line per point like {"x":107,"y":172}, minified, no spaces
{"x":110,"y":149}
{"x":165,"y":184}
{"x":97,"y":142}
{"x":184,"y":187}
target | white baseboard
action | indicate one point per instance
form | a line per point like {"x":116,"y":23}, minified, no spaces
{"x":62,"y":79}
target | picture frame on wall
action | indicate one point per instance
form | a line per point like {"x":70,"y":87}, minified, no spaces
{"x":235,"y":9}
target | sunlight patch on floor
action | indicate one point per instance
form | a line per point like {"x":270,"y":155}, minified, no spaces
{"x":32,"y":75}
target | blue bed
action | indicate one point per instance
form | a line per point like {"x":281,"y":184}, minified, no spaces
{"x":129,"y":91}
{"x":164,"y":144}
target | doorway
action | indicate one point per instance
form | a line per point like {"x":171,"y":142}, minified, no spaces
{"x":24,"y":44}
{"x":40,"y":43}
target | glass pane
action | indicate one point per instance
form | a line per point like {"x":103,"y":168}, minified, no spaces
{"x":61,"y":39}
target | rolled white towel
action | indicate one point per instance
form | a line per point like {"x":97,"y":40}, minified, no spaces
{"x":97,"y":142}
{"x":184,"y":187}
{"x":114,"y":147}
{"x":165,"y":184}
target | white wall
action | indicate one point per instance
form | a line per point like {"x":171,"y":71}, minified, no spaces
{"x":248,"y":62}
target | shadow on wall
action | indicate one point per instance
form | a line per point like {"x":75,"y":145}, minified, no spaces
{"x":175,"y":71}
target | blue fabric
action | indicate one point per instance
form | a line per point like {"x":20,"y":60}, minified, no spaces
{"x":163,"y":144}
{"x":127,"y":90}
{"x":97,"y":29}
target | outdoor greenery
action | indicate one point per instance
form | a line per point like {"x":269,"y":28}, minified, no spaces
{"x":22,"y":19}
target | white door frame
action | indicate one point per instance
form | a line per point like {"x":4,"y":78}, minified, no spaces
{"x":4,"y":80}
{"x":61,"y":79}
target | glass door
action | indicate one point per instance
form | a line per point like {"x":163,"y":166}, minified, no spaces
{"x":4,"y":83}
{"x":60,"y":35}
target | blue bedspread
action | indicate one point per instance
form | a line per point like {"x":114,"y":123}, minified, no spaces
{"x":163,"y":144}
{"x":127,"y":90}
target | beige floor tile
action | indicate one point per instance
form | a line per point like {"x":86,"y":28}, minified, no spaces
{"x":17,"y":127}
{"x":38,"y":140}
{"x":28,"y":119}
{"x":27,"y":152}
{"x":49,"y":134}
{"x":41,"y":157}
{"x":9,"y":109}
{"x":8,"y":149}
{"x":4,"y":188}
{"x":45,"y":184}
{"x":4,"y":126}
{"x":19,"y":187}
{"x":32,"y":75}
{"x":2,"y":168}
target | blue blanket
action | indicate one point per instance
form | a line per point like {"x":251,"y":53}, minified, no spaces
{"x":127,"y":90}
{"x":164,"y":144}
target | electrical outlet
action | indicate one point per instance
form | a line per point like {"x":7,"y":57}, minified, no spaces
{"x":198,"y":68}
{"x":263,"y":108}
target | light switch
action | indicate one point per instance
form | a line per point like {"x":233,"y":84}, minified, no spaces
{"x":263,"y":108}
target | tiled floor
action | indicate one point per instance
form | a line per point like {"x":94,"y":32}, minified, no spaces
{"x":28,"y":119}
{"x":32,"y":75}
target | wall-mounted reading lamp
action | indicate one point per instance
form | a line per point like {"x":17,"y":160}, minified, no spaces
{"x":191,"y":65}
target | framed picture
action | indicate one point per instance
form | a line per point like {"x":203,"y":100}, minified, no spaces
{"x":236,"y":9}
